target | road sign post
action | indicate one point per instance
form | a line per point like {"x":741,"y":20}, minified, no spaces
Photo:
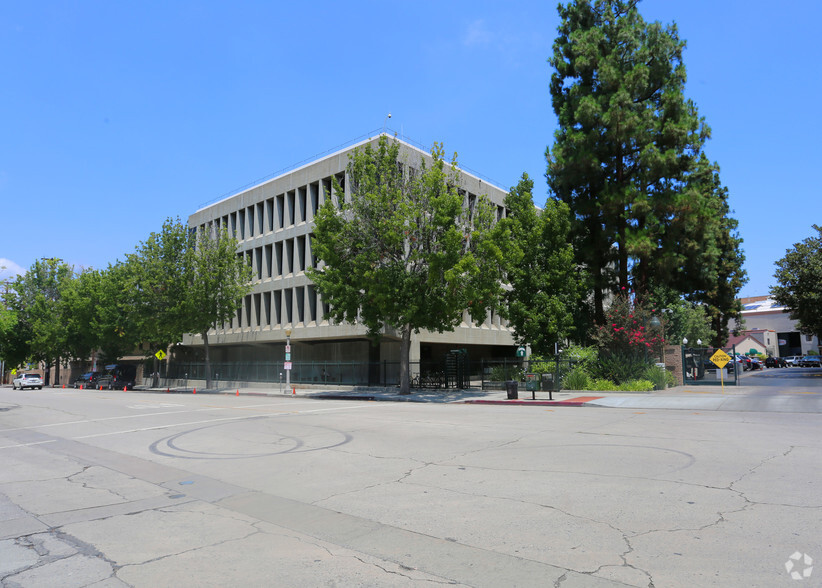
{"x":720,"y":360}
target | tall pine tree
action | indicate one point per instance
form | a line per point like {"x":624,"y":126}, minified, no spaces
{"x":627,"y":137}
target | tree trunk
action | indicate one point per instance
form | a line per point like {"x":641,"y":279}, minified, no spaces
{"x":207,"y":360}
{"x":57,"y":373}
{"x":405,"y":353}
{"x":623,"y":257}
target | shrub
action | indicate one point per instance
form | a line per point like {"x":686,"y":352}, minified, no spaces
{"x":637,"y":386}
{"x":628,"y":326}
{"x":501,"y":373}
{"x":601,"y":385}
{"x":670,"y":378}
{"x":621,"y":366}
{"x":657,"y":376}
{"x":576,"y":379}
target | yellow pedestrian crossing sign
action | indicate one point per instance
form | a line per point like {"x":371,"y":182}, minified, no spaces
{"x":161,"y":355}
{"x":720,"y":358}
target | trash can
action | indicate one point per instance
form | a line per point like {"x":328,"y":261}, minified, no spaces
{"x":511,"y":388}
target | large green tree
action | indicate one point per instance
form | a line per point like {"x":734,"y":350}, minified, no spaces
{"x":184,"y":281}
{"x":35,"y":297}
{"x":405,"y":253}
{"x":628,"y":140}
{"x":799,"y":277}
{"x":14,"y":346}
{"x":218,"y":279}
{"x":699,"y":255}
{"x":98,"y":310}
{"x":542,"y":274}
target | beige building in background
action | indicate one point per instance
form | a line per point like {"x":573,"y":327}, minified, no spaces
{"x":763,"y":315}
{"x":273,"y":223}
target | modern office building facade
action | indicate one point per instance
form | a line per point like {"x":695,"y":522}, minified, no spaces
{"x":273,"y":224}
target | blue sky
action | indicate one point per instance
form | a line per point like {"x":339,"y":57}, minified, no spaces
{"x":117,"y":115}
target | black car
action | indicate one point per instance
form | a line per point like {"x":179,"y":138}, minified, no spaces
{"x":775,"y":362}
{"x":87,"y":380}
{"x":118,"y":377}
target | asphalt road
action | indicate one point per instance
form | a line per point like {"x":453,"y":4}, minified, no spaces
{"x":111,"y":489}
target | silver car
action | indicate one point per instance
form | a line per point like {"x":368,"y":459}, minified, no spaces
{"x":24,"y":381}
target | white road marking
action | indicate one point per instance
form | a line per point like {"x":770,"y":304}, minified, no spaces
{"x":143,"y":415}
{"x":28,"y":444}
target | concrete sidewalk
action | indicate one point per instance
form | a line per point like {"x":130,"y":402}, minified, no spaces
{"x":732,"y":398}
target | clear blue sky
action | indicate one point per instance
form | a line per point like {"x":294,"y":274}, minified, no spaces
{"x":116,"y":115}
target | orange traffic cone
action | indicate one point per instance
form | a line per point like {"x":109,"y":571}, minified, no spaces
{"x":293,"y":391}
{"x":168,"y":389}
{"x":238,"y":391}
{"x":195,"y":390}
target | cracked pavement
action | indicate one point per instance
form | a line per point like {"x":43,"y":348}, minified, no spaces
{"x":110,"y":489}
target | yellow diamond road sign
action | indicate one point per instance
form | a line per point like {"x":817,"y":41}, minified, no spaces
{"x":720,"y":358}
{"x":161,"y":355}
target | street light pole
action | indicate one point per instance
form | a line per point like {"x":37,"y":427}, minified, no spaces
{"x":287,"y":358}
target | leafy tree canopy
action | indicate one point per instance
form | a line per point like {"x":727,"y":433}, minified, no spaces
{"x":542,"y":272}
{"x":799,"y":277}
{"x":627,"y":159}
{"x":405,"y":252}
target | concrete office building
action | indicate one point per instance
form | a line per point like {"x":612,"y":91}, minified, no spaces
{"x":273,"y":223}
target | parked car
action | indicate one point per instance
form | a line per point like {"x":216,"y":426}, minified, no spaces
{"x":745,"y":362}
{"x":87,"y":380}
{"x":118,"y":377}
{"x":710,"y":366}
{"x":756,"y":363}
{"x":24,"y":381}
{"x":811,"y":361}
{"x":774,"y":362}
{"x":793,"y":360}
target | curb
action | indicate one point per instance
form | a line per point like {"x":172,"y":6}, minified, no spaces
{"x":581,"y":401}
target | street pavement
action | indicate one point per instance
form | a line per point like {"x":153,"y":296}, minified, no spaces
{"x":255,"y":487}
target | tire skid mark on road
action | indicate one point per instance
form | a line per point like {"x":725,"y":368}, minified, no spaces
{"x":237,"y":418}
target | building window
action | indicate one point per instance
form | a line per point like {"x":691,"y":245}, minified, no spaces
{"x":278,"y":306}
{"x":301,"y":204}
{"x":269,"y":212}
{"x":291,"y":208}
{"x":269,"y":260}
{"x":278,"y":255}
{"x":280,"y":211}
{"x":315,"y":197}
